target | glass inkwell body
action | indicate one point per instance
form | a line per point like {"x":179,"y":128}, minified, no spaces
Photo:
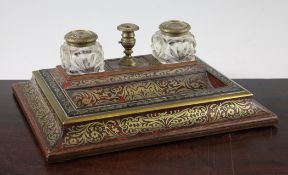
{"x":173,"y":43}
{"x":81,"y":53}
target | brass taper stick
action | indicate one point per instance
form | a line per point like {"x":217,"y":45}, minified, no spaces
{"x":128,"y":41}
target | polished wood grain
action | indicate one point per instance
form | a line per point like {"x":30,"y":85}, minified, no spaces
{"x":254,"y":151}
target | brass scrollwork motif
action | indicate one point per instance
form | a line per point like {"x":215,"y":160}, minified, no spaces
{"x":69,"y":106}
{"x":138,"y":90}
{"x":97,"y":132}
{"x":126,"y":77}
{"x":165,"y":120}
{"x":231,"y":110}
{"x":45,"y":117}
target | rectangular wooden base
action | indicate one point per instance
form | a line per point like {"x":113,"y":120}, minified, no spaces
{"x":60,"y":142}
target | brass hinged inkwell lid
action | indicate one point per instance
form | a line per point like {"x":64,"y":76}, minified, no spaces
{"x":81,"y":38}
{"x":89,"y":106}
{"x":174,"y":28}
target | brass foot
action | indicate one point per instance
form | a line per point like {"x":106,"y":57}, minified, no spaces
{"x":127,"y":61}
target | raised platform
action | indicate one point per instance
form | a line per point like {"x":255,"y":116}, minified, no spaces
{"x":122,"y":108}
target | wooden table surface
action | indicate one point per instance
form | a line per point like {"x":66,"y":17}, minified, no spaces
{"x":255,"y":151}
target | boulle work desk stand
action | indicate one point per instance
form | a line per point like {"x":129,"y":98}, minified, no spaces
{"x":132,"y":106}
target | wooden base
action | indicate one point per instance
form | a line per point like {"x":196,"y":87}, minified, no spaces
{"x":61,"y":142}
{"x":123,"y":108}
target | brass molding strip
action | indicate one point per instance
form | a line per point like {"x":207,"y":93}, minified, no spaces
{"x":160,"y":107}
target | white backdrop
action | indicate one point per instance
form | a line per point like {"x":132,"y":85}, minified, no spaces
{"x":242,"y":39}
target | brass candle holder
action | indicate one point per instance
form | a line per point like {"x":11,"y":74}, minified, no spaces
{"x":128,"y":42}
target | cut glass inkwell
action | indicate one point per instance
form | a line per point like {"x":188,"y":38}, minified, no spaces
{"x":174,"y":43}
{"x":81,"y":53}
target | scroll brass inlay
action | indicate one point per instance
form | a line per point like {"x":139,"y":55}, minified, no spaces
{"x":138,"y":90}
{"x":97,"y":132}
{"x":43,"y":114}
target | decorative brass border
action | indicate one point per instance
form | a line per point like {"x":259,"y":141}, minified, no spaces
{"x":96,"y":132}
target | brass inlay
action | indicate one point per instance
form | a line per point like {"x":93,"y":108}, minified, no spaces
{"x":138,"y":90}
{"x":69,"y":120}
{"x":43,"y":114}
{"x":96,"y":132}
{"x":50,"y":97}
